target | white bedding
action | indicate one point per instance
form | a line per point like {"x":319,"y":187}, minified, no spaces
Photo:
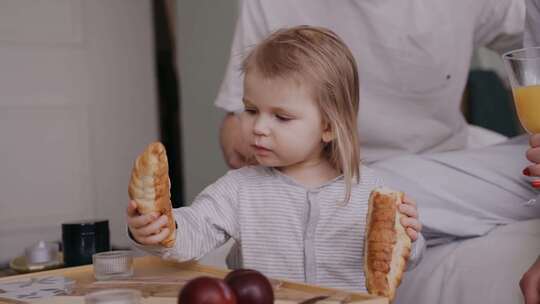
{"x":478,"y":270}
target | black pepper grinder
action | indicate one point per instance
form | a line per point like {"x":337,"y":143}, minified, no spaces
{"x":84,"y":238}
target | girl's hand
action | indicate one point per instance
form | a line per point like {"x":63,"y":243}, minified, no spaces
{"x":146,"y":229}
{"x":533,"y":154}
{"x":410,"y":222}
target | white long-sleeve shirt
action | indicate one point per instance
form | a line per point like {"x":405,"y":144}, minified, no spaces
{"x":283,"y":229}
{"x":413,"y":61}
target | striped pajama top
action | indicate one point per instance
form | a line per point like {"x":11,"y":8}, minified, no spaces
{"x":281,"y":228}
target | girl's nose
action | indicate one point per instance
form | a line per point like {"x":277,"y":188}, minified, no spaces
{"x":261,"y":127}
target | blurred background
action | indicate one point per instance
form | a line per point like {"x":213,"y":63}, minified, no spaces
{"x":85,"y":85}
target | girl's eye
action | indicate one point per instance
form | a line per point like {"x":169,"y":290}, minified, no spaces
{"x":250,"y":111}
{"x":283,"y":118}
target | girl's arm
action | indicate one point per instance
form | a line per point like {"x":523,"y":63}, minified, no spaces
{"x":205,"y":225}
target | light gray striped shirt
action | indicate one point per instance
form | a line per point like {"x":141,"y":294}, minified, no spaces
{"x":281,"y":228}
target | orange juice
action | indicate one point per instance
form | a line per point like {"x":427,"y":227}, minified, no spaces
{"x":527,"y":101}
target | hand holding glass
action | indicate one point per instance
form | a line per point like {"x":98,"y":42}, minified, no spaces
{"x":523,"y":68}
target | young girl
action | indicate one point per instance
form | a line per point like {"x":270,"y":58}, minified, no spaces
{"x":300,"y":214}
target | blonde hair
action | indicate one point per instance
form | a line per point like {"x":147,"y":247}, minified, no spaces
{"x":320,"y":58}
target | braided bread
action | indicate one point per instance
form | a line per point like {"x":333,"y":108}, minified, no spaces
{"x":387,"y":246}
{"x":150,"y":186}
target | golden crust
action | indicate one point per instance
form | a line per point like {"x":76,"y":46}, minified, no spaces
{"x":149,"y":186}
{"x":387,"y":245}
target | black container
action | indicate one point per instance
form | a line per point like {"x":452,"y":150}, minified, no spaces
{"x":82,"y":239}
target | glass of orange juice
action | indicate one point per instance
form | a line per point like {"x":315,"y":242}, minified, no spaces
{"x":523,"y":68}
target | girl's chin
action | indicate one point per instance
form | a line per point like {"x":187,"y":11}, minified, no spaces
{"x":264,"y":161}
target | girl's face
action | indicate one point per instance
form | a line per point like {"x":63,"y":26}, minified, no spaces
{"x":282,"y":123}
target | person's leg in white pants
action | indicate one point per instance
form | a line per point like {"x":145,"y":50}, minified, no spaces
{"x":465,"y":193}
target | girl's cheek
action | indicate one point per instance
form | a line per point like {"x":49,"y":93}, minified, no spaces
{"x":246,"y":124}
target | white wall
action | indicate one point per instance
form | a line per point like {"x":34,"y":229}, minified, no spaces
{"x":204,"y":34}
{"x":77,"y":104}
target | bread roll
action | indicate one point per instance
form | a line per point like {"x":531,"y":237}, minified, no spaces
{"x":150,"y":186}
{"x":387,"y":246}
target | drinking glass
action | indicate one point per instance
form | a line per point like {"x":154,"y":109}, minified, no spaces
{"x":523,"y":69}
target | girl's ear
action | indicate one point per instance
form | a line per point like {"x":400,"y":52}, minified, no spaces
{"x":328,"y":134}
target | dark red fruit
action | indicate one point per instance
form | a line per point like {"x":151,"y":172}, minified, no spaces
{"x":206,"y":290}
{"x":250,"y":287}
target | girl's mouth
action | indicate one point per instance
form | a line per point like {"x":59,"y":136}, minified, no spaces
{"x":260,"y":149}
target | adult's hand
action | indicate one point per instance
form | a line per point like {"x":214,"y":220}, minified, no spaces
{"x":530,"y":284}
{"x":236,"y":150}
{"x":533,"y":154}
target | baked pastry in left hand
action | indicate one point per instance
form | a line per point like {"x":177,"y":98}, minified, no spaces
{"x":387,"y":245}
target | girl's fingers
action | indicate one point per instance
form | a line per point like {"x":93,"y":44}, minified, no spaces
{"x":412,"y":234}
{"x":154,"y":227}
{"x":408,"y":210}
{"x":408,"y":201}
{"x":155,"y":238}
{"x":139,"y":221}
{"x":412,"y":223}
{"x":132,"y":209}
{"x":146,"y":228}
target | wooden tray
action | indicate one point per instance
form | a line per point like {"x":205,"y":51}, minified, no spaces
{"x":157,"y":278}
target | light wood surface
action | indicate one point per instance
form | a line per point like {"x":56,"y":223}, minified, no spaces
{"x":157,"y":278}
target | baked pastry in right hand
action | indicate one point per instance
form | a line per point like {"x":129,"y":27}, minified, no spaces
{"x":150,"y":186}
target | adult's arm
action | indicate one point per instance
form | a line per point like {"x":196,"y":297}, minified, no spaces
{"x":530,"y":284}
{"x":251,"y":27}
{"x":530,"y":281}
{"x":500,"y":25}
{"x":235,"y":149}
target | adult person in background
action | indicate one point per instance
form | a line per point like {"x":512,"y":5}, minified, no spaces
{"x":415,"y":62}
{"x":530,"y":282}
{"x":414,"y":59}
